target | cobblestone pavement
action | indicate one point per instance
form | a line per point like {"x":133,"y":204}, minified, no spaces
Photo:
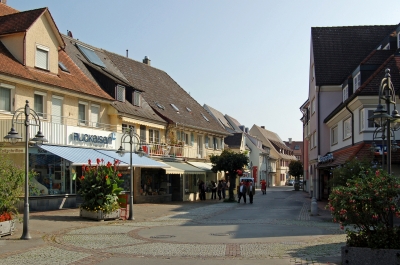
{"x":191,"y":232}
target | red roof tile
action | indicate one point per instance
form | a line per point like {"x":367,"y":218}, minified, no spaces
{"x":19,"y":22}
{"x":6,"y":10}
{"x":75,"y":80}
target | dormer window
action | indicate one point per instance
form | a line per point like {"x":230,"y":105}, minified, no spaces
{"x":356,"y":82}
{"x":345,"y":93}
{"x":120,"y":93}
{"x":188,"y":109}
{"x":63,"y":67}
{"x":42,"y":57}
{"x":136,"y":98}
{"x":387,"y":47}
{"x":175,"y":107}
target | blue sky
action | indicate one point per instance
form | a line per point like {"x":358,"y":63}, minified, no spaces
{"x":248,"y":59}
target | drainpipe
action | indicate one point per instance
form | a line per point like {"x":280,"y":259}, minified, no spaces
{"x":314,"y":205}
{"x":352,"y":123}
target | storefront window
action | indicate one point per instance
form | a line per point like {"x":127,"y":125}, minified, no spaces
{"x":191,"y":183}
{"x":154,"y":182}
{"x":53,"y":175}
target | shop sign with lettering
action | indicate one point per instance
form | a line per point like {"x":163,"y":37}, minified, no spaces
{"x":90,"y":138}
{"x":326,"y":158}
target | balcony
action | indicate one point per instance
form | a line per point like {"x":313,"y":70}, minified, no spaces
{"x":177,"y":151}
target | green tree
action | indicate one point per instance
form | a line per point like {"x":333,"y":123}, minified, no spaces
{"x":229,"y":162}
{"x":350,"y":169}
{"x":11,"y":185}
{"x":296,"y":170}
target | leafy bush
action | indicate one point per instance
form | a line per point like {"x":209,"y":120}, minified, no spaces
{"x":11,"y":187}
{"x":368,"y":203}
{"x":99,"y":186}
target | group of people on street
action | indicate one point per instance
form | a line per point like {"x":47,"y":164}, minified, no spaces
{"x":216,"y":188}
{"x":244,"y":190}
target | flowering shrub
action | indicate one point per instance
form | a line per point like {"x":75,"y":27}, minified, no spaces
{"x":99,"y":186}
{"x":11,"y":187}
{"x":368,"y":202}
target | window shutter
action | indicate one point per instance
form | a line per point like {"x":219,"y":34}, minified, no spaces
{"x":56,"y":110}
{"x":42,"y":58}
{"x":5,"y":99}
{"x":94,"y":116}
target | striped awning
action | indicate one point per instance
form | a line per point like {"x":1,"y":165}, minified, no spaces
{"x":137,"y":161}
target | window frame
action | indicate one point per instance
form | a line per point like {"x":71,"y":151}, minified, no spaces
{"x":11,"y":88}
{"x":356,"y":81}
{"x":345,"y":93}
{"x":97,"y":124}
{"x":46,"y":51}
{"x":154,"y":136}
{"x":44,"y":98}
{"x":83,"y":121}
{"x":347,"y":128}
{"x":334,"y":135}
{"x":136,"y":98}
{"x":119,"y":88}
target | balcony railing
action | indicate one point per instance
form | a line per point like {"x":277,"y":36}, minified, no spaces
{"x":177,"y":151}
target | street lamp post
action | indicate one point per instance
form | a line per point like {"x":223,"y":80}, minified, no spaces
{"x":386,"y":122}
{"x":128,"y":137}
{"x":13,"y":137}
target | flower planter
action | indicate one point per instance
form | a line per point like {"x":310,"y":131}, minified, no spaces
{"x":99,"y":215}
{"x":7,"y":228}
{"x":368,"y":256}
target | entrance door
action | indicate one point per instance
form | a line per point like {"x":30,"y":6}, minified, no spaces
{"x":176,"y":186}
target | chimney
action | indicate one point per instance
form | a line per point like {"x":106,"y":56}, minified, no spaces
{"x":262,"y":127}
{"x":246,"y":129}
{"x":290,"y":140}
{"x":241,"y":127}
{"x":146,"y":60}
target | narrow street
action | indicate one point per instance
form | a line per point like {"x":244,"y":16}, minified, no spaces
{"x":275,"y":229}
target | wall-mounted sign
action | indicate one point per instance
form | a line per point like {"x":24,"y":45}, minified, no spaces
{"x":12,"y":150}
{"x":90,"y":138}
{"x":326,"y":158}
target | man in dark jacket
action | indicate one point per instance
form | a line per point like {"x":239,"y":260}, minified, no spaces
{"x":242,"y":192}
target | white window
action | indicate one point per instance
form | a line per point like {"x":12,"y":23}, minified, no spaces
{"x":345,"y":93}
{"x":126,"y":128}
{"x":94,"y":115}
{"x":313,"y":106}
{"x":136,"y":99}
{"x":207,"y":140}
{"x":42,"y":57}
{"x":154,"y":136}
{"x":56,"y":109}
{"x":356,"y":82}
{"x":39,"y":103}
{"x":82,"y":106}
{"x":5,"y":96}
{"x":334,"y":135}
{"x":120,"y":93}
{"x":347,"y":128}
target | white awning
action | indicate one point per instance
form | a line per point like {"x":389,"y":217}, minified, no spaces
{"x":148,"y":124}
{"x":204,"y":166}
{"x":182,"y":168}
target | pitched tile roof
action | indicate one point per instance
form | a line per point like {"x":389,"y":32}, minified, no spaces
{"x":6,"y":10}
{"x":360,"y":150}
{"x":19,"y":22}
{"x":161,"y":90}
{"x":339,"y":50}
{"x":113,"y":73}
{"x":74,"y":81}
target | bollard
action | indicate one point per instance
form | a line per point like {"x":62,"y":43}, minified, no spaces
{"x":314,"y":206}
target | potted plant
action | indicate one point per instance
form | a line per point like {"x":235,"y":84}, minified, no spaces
{"x":100,"y":190}
{"x":11,"y":189}
{"x":366,"y":206}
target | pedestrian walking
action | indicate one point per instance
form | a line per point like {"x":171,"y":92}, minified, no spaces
{"x":264,"y":187}
{"x":223,"y":189}
{"x":219,"y":189}
{"x":213,"y":190}
{"x":242,"y":192}
{"x":250,"y":191}
{"x":202,"y":190}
